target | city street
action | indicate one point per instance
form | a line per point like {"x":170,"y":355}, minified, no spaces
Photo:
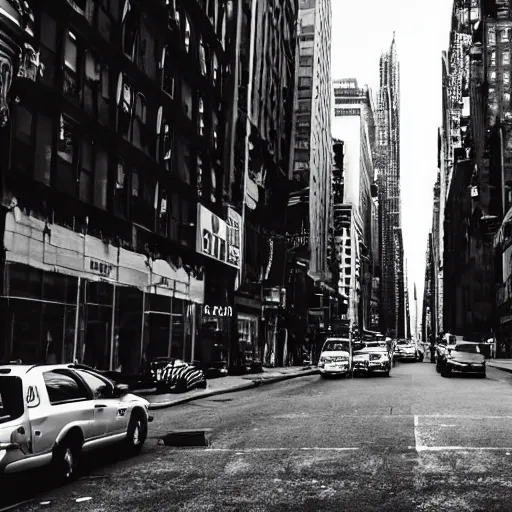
{"x":414,"y":441}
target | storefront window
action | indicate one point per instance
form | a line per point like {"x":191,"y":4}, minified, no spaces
{"x":158,"y":325}
{"x":247,"y":336}
{"x":178,"y":329}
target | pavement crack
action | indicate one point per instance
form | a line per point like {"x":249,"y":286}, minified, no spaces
{"x":391,"y":411}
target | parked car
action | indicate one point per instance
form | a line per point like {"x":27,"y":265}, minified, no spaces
{"x":177,"y":375}
{"x":335,"y":357}
{"x":50,"y":414}
{"x":464,"y":357}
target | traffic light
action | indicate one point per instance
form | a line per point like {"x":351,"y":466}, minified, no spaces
{"x":339,"y":152}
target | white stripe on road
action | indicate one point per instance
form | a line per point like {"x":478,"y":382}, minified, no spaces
{"x":262,"y":450}
{"x":417,"y":442}
{"x":459,"y":448}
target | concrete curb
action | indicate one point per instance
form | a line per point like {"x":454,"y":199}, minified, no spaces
{"x":240,"y":387}
{"x":502,"y":368}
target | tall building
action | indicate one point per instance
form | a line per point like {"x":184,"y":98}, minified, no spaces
{"x":427,"y":307}
{"x":387,"y":168}
{"x":312,"y":143}
{"x":476,"y":164}
{"x":117,"y":244}
{"x":399,"y":273}
{"x":354,"y":123}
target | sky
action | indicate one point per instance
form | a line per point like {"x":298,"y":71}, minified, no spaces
{"x":361,"y":31}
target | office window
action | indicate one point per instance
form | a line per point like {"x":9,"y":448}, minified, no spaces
{"x":187,"y":35}
{"x":130,"y":29}
{"x":213,"y":185}
{"x":200,"y":117}
{"x":120,"y":191}
{"x":139,"y":134}
{"x":306,"y":60}
{"x":215,"y":70}
{"x":44,"y":141}
{"x":167,"y":73}
{"x":65,"y":179}
{"x":215,"y":135}
{"x":165,"y":144}
{"x":96,"y":97}
{"x":202,"y":57}
{"x":125,"y":106}
{"x":199,"y":179}
{"x":186,"y":99}
{"x":48,"y":48}
{"x":86,"y":176}
{"x":71,"y":62}
{"x":184,"y":163}
{"x":142,"y":201}
{"x":103,"y":17}
{"x":92,"y":179}
{"x":23,"y":142}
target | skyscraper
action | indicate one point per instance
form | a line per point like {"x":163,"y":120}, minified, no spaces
{"x":313,"y":143}
{"x":387,"y":169}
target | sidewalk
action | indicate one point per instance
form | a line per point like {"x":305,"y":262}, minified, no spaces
{"x":501,"y":364}
{"x":229,"y":384}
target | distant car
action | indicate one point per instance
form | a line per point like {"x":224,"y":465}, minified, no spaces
{"x":464,"y":357}
{"x":404,"y":350}
{"x":177,"y":375}
{"x":50,"y":414}
{"x":335,"y":357}
{"x":360,"y":363}
{"x":379,"y":360}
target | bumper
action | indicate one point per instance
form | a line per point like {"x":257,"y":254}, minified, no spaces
{"x":411,"y":357}
{"x":380,"y":367}
{"x":338,"y":370}
{"x":476,"y":369}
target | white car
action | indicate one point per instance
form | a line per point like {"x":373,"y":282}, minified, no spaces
{"x":50,"y":414}
{"x":405,"y":351}
{"x":335,"y":358}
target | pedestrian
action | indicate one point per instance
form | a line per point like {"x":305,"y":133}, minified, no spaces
{"x":432,"y":352}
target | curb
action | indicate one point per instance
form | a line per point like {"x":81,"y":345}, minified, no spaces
{"x":502,"y":368}
{"x":241,"y":387}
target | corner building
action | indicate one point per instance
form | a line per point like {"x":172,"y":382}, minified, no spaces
{"x":111,"y":171}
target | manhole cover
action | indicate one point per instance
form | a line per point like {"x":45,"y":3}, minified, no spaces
{"x":182,"y":438}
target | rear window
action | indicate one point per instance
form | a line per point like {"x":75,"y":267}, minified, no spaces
{"x":11,"y":399}
{"x":333,"y":346}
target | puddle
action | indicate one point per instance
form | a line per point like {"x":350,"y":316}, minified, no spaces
{"x":186,"y":438}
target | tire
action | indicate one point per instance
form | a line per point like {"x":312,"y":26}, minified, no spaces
{"x":445,"y":372}
{"x":137,"y":432}
{"x":323,"y":375}
{"x":386,"y":374}
{"x":438,"y":367}
{"x":66,"y":458}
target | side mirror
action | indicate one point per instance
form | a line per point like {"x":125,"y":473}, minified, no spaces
{"x":121,"y":390}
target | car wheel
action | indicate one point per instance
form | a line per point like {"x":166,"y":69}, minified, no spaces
{"x":445,"y":372}
{"x":66,"y":458}
{"x":137,"y":432}
{"x":386,"y":374}
{"x":323,"y":375}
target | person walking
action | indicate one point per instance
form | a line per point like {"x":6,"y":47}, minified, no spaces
{"x":432,"y":352}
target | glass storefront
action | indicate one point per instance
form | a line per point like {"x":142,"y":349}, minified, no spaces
{"x":248,"y":336}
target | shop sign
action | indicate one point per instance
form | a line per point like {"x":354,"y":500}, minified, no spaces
{"x":212,"y":235}
{"x":100,"y":267}
{"x":217,"y":311}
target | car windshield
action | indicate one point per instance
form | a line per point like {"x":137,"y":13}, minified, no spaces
{"x":11,"y":398}
{"x":336,"y":346}
{"x":471,"y":349}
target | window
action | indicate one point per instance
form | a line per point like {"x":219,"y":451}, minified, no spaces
{"x":213,"y":189}
{"x":142,"y":201}
{"x":199,"y":180}
{"x":125,"y":104}
{"x":99,"y":388}
{"x":85,"y":179}
{"x":167,"y":73}
{"x":71,"y":62}
{"x":120,"y":191}
{"x":102,"y":18}
{"x":306,"y":60}
{"x":186,"y":99}
{"x":202,"y":57}
{"x":62,"y":387}
{"x":215,"y":70}
{"x":215,"y":135}
{"x":187,"y":35}
{"x":65,"y":179}
{"x":11,"y":398}
{"x":163,"y":214}
{"x":130,"y":21}
{"x":48,"y":48}
{"x":138,"y":136}
{"x":96,"y":88}
{"x":23,"y":139}
{"x":183,"y":166}
{"x":305,"y":82}
{"x":200,"y":117}
{"x":506,"y":58}
{"x":44,"y":140}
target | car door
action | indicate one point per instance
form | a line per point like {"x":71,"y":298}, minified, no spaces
{"x":106,"y":409}
{"x":65,"y":401}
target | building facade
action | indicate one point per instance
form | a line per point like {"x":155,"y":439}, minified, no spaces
{"x":114,"y":257}
{"x":387,"y":168}
{"x":353,"y":122}
{"x":312,"y":143}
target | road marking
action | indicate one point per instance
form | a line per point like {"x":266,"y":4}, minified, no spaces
{"x":443,"y":425}
{"x":417,"y":443}
{"x":241,"y":451}
{"x":459,"y":448}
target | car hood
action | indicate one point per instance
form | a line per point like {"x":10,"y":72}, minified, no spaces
{"x":361,"y":356}
{"x":466,"y":357}
{"x":335,"y":353}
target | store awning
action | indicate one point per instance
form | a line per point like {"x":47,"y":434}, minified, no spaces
{"x":505,"y":230}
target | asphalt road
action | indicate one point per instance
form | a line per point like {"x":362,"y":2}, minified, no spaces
{"x":413,"y":441}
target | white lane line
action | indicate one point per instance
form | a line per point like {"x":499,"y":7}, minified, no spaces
{"x":460,"y":448}
{"x":476,"y":417}
{"x":261,"y":450}
{"x":417,"y":443}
